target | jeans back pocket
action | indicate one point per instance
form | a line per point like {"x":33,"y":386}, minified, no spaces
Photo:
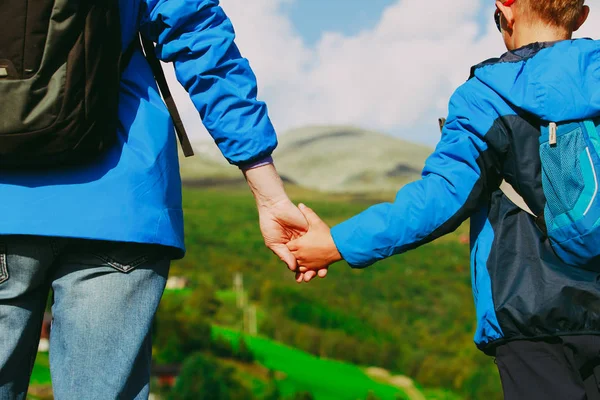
{"x":122,"y":256}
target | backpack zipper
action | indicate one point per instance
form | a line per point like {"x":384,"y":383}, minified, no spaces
{"x":587,"y":149}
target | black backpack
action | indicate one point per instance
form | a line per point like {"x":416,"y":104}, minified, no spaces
{"x":60,"y":70}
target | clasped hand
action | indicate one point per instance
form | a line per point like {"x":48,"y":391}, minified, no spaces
{"x":296,"y":234}
{"x":300,"y":238}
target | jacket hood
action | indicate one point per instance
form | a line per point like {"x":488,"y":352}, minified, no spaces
{"x":558,"y":81}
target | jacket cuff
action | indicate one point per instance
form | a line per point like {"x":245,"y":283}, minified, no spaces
{"x":343,"y":236}
{"x":255,"y":164}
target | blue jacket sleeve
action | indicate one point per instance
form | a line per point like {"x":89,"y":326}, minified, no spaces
{"x":457,"y":177}
{"x":198,"y":38}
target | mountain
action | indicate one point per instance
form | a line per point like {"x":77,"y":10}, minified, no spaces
{"x":207,"y":163}
{"x":348,"y":159}
{"x":327,"y":158}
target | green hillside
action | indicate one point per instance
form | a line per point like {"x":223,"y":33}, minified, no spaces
{"x":365,"y":161}
{"x":325,"y":379}
{"x":411,"y":315}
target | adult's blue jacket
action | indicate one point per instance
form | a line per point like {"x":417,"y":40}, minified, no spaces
{"x":133,"y":193}
{"x":520,"y":287}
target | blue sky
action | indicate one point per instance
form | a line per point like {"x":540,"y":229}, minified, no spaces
{"x":313,"y":17}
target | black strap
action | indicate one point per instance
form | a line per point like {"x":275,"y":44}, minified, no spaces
{"x":441,"y":123}
{"x":159,"y":76}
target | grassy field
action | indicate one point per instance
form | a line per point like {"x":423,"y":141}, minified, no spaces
{"x":297,"y":371}
{"x":325,"y":379}
{"x":41,"y":370}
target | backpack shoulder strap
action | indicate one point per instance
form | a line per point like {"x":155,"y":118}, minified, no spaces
{"x":159,"y":76}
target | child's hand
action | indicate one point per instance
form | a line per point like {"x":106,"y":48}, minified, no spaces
{"x":316,"y":250}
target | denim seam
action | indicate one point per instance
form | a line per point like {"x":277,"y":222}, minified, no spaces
{"x":122,"y":267}
{"x":3,"y":266}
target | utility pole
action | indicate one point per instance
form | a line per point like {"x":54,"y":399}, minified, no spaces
{"x":249,"y":323}
{"x":252,"y":326}
{"x":238,"y":288}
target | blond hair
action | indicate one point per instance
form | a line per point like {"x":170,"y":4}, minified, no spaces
{"x":560,"y":13}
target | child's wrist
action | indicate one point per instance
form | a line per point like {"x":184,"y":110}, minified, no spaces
{"x":334,"y":254}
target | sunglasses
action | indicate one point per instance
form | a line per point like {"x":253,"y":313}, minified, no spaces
{"x":498,"y":14}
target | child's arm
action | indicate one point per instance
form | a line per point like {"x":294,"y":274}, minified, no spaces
{"x":456,"y":180}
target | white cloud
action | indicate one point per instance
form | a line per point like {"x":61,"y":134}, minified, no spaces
{"x":390,"y":78}
{"x":592,"y":27}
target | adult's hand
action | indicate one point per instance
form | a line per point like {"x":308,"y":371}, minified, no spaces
{"x":280,"y":220}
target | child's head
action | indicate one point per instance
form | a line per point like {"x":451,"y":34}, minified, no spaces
{"x":527,"y":21}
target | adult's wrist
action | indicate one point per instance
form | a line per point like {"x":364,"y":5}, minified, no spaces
{"x":266,"y":185}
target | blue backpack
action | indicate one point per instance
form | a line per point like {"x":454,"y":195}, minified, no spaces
{"x":570,"y":156}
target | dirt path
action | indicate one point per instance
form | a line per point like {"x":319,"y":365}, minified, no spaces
{"x":400,"y":381}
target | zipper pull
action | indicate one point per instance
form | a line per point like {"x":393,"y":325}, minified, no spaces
{"x":552,"y":135}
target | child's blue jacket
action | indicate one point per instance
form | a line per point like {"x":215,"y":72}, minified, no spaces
{"x":521,"y":289}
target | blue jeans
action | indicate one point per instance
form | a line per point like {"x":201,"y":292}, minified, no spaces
{"x":105,"y":298}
